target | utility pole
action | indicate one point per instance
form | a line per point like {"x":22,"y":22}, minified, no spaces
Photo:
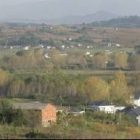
{"x":120,"y":117}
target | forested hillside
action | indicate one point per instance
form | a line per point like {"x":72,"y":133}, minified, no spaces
{"x":128,"y":21}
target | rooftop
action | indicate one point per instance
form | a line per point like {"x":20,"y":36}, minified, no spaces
{"x":76,"y":110}
{"x":101,"y":103}
{"x":62,"y":108}
{"x":136,"y":95}
{"x":135,"y":111}
{"x":29,"y":106}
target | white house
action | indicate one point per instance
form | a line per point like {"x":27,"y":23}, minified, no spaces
{"x":63,"y":46}
{"x":26,"y":48}
{"x":72,"y":46}
{"x":87,"y":53}
{"x":79,"y":45}
{"x":135,"y":99}
{"x":119,"y":108}
{"x":48,"y":47}
{"x":63,"y":54}
{"x":70,"y":39}
{"x":46,"y":56}
{"x":118,"y":45}
{"x":103,"y":106}
{"x":11,"y":47}
{"x":76,"y":111}
{"x":138,"y":120}
{"x":41,"y":46}
{"x":108,"y":52}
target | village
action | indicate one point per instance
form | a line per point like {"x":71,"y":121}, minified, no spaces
{"x":49,"y":112}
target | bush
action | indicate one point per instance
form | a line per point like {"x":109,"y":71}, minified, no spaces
{"x":6,"y":112}
{"x":20,"y":53}
{"x":35,"y":135}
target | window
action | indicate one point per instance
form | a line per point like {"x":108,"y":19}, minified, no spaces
{"x":49,"y":121}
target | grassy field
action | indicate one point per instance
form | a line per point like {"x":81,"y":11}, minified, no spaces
{"x":98,"y":72}
{"x":8,"y":52}
{"x":76,"y":129}
{"x":105,"y":74}
{"x":18,"y":100}
{"x":124,"y":36}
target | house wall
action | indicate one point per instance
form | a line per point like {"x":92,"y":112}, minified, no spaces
{"x":137,"y":102}
{"x":107,"y":109}
{"x":48,"y":115}
{"x":119,"y":108}
{"x":138,"y":121}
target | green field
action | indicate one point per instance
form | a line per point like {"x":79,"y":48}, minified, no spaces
{"x":8,"y":52}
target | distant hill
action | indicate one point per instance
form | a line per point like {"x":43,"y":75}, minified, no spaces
{"x":127,"y":21}
{"x":99,"y":16}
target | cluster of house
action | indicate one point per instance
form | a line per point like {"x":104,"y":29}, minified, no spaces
{"x":104,"y":106}
{"x":48,"y":112}
{"x":133,"y":112}
{"x":114,"y":44}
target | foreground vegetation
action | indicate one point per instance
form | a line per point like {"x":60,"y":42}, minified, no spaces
{"x":15,"y":124}
{"x":88,"y":126}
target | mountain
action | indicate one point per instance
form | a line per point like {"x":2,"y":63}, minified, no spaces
{"x":51,"y":9}
{"x":66,"y":11}
{"x":54,"y":9}
{"x":126,"y":21}
{"x":99,"y":16}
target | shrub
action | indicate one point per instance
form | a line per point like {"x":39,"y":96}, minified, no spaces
{"x":35,"y":135}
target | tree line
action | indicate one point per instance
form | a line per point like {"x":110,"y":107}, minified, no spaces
{"x":72,"y":60}
{"x":64,"y":89}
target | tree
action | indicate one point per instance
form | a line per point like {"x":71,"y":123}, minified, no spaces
{"x":34,"y":119}
{"x":120,"y":60}
{"x":0,"y":31}
{"x":100,"y":60}
{"x":56,"y":59}
{"x":6,"y":111}
{"x":97,"y":89}
{"x":16,"y":88}
{"x":3,"y":77}
{"x":119,"y":88}
{"x":135,"y":62}
{"x":135,"y":83}
{"x":20,"y":53}
{"x":137,"y":49}
{"x":76,"y":60}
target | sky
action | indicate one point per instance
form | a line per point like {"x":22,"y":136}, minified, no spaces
{"x":50,"y":9}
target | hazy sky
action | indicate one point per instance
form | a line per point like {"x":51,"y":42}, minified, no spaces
{"x":59,"y":8}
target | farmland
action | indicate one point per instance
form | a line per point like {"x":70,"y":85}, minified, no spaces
{"x":69,"y":66}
